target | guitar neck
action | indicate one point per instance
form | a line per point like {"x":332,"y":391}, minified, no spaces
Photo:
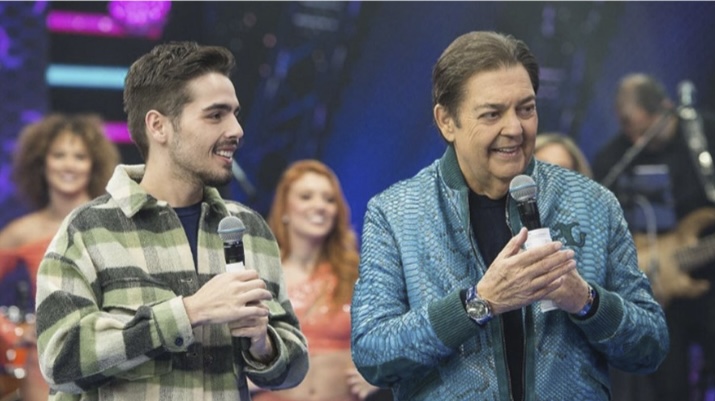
{"x":695,"y":257}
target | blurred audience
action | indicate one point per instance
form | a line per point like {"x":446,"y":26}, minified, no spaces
{"x":311,"y":221}
{"x":60,"y":162}
{"x":561,"y":150}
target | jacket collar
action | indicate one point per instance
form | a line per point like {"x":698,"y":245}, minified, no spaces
{"x":130,"y":197}
{"x":452,"y":175}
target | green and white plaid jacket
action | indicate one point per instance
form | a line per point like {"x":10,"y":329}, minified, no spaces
{"x":110,"y":317}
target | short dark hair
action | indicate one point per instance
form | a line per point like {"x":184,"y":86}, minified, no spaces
{"x":34,"y":144}
{"x":472,"y":53}
{"x":158,"y":81}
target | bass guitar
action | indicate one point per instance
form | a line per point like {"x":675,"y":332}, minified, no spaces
{"x":669,"y":259}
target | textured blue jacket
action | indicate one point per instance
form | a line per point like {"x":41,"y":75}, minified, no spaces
{"x":410,"y":330}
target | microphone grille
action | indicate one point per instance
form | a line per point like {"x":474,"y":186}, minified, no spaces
{"x":522,"y":187}
{"x":231,"y":229}
{"x":686,"y":93}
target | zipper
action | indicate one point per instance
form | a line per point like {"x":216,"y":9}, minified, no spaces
{"x":523,"y":323}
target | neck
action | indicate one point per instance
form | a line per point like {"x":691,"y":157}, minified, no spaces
{"x":305,"y":254}
{"x":495,"y":190}
{"x":162,"y":185}
{"x":61,"y":205}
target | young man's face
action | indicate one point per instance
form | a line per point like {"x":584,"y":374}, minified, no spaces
{"x":208,"y":131}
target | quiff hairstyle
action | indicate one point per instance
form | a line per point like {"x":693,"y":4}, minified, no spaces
{"x":34,"y":144}
{"x":340,"y":247}
{"x":158,"y":81}
{"x":472,"y":53}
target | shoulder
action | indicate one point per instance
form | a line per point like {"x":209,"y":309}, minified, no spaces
{"x":609,"y":154}
{"x":409,"y":189}
{"x":22,"y":230}
{"x":255,"y":224}
{"x":564,"y":186}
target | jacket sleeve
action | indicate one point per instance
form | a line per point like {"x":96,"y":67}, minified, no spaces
{"x":629,"y":325}
{"x":391,"y":339}
{"x":290,"y":365}
{"x":82,"y":346}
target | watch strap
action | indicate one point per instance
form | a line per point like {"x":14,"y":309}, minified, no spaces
{"x":589,"y":303}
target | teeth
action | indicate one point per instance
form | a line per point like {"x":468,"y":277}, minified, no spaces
{"x":225,"y":153}
{"x":316,"y":219}
{"x":68,"y":176}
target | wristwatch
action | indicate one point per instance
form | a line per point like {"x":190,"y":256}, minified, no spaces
{"x":477,"y":308}
{"x":592,"y":294}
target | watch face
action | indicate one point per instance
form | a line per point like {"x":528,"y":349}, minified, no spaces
{"x":477,"y":310}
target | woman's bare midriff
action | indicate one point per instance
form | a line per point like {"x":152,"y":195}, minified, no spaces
{"x":325,"y":380}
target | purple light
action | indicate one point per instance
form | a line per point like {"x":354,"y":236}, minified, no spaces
{"x":141,"y":18}
{"x":117,"y":131}
{"x":83,"y":23}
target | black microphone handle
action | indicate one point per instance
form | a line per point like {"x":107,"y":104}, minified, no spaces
{"x":233,"y":251}
{"x":529,"y":214}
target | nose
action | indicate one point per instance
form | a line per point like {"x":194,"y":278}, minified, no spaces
{"x":235,"y":130}
{"x":320,"y":205}
{"x":512,"y":124}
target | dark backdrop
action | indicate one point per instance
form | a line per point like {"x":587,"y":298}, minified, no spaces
{"x":349,"y":82}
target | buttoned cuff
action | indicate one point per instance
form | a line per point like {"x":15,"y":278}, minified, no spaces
{"x":173,"y":325}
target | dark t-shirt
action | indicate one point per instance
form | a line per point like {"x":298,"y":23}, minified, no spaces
{"x":687,"y":191}
{"x":189,"y":217}
{"x":488,"y":219}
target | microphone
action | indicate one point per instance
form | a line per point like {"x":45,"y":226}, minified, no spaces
{"x":523,"y":190}
{"x":686,"y":93}
{"x":242,"y":179}
{"x":694,"y":134}
{"x":231,"y":230}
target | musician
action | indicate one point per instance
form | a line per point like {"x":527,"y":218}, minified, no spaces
{"x":660,"y":189}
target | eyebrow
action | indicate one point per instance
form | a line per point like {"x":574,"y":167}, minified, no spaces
{"x":501,"y":106}
{"x":223,"y":107}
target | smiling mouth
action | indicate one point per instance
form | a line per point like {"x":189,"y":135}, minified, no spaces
{"x":317,"y":219}
{"x":227,"y":154}
{"x":506,"y":150}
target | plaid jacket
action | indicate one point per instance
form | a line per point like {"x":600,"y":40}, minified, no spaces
{"x":110,"y":318}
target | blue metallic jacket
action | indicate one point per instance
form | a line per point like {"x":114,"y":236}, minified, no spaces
{"x":410,"y":330}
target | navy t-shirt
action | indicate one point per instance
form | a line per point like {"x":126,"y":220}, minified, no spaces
{"x":488,"y":220}
{"x":189,"y":217}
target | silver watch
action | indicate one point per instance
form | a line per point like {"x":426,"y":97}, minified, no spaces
{"x":477,"y":308}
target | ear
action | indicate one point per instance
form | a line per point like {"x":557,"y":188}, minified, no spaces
{"x":445,"y":122}
{"x":157,"y":126}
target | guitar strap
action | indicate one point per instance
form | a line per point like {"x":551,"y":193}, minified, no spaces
{"x":631,"y":153}
{"x":692,"y":124}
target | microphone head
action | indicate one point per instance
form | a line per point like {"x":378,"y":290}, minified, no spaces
{"x":686,"y":93}
{"x":231,"y":229}
{"x":522,"y":188}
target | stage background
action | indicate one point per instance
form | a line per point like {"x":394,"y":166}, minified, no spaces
{"x":344,"y":82}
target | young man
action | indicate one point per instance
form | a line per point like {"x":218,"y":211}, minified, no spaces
{"x":448,"y":306}
{"x":133,"y":300}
